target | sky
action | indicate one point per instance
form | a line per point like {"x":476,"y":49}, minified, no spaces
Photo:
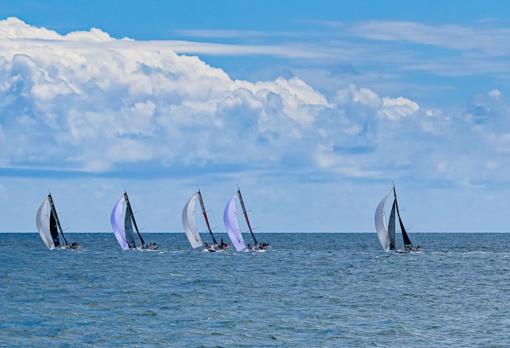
{"x":313,"y":109}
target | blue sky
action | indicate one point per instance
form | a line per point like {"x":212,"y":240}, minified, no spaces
{"x":313,"y":109}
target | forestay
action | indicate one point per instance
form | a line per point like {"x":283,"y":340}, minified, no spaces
{"x":189,"y":222}
{"x":43,"y":224}
{"x":232,"y":225}
{"x":380,"y":224}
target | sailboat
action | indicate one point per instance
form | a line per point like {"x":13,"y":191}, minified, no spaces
{"x":232,"y":226}
{"x":49,"y":226}
{"x":123,"y":221}
{"x":189,"y":223}
{"x":387,"y":235}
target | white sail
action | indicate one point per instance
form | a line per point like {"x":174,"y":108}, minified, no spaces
{"x":380,"y":224}
{"x":42,"y":220}
{"x":232,"y":225}
{"x":118,"y":218}
{"x":189,"y":223}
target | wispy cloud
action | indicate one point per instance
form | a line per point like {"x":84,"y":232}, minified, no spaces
{"x":221,"y":49}
{"x":237,"y":34}
{"x":485,"y":39}
{"x":440,"y":49}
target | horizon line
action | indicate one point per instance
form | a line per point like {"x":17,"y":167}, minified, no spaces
{"x":278,"y":232}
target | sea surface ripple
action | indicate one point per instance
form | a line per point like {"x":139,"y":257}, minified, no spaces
{"x":311,"y":290}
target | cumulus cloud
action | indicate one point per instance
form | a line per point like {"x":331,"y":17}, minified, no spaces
{"x":86,"y":101}
{"x":393,"y":109}
{"x":397,"y":108}
{"x":14,"y":29}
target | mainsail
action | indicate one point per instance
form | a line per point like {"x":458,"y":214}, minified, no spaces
{"x":123,"y":220}
{"x":232,"y":224}
{"x":391,"y":227}
{"x":405,"y":236}
{"x":206,"y":219}
{"x":189,"y":223}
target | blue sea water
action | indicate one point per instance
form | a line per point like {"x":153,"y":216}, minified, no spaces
{"x":311,"y":290}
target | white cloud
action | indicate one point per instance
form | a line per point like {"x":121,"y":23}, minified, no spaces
{"x":14,"y":29}
{"x":230,"y":34}
{"x":393,"y":109}
{"x":494,"y":93}
{"x":93,"y":102}
{"x":397,"y":108}
{"x":361,"y":95}
{"x":452,"y":36}
{"x":73,"y":102}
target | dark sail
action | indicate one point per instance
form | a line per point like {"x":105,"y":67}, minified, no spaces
{"x":128,"y":227}
{"x":55,"y":227}
{"x":391,"y":226}
{"x":54,"y":231}
{"x":129,"y":212}
{"x":246,"y":216}
{"x":405,"y":236}
{"x":202,"y":206}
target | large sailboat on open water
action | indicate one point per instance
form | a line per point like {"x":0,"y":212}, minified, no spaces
{"x":189,"y":223}
{"x":387,"y":234}
{"x":123,"y":221}
{"x":232,"y":226}
{"x":49,"y":226}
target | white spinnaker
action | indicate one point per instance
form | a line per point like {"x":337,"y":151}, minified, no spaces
{"x":380,"y":224}
{"x":42,"y":220}
{"x":189,"y":223}
{"x":232,"y":225}
{"x":118,"y":222}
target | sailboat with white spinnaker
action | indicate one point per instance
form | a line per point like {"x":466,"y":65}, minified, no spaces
{"x":189,"y":223}
{"x":48,"y":225}
{"x":387,"y":234}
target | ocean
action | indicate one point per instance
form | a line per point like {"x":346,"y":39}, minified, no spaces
{"x":310,"y":290}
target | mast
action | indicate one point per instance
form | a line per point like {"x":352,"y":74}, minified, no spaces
{"x":130,"y":210}
{"x":246,"y":215}
{"x":205,"y":215}
{"x":55,"y":216}
{"x":405,"y":236}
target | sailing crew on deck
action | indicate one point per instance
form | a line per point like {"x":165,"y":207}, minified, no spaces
{"x":223,"y":245}
{"x":152,"y":246}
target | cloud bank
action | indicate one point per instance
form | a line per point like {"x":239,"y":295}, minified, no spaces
{"x":85,"y":101}
{"x":88,"y":102}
